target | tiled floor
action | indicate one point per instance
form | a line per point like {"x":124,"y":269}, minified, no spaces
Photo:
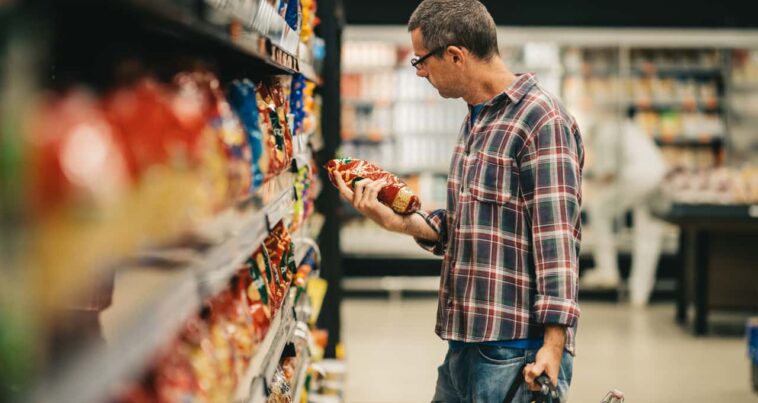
{"x":392,"y":355}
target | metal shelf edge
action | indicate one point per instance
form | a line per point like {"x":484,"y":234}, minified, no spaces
{"x":90,"y":377}
{"x":305,"y":363}
{"x":270,"y":347}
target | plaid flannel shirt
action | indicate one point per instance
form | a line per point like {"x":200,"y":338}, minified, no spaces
{"x":511,"y":231}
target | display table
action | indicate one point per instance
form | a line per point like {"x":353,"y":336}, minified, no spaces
{"x":718,"y":256}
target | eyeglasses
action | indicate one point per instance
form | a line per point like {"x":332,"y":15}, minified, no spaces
{"x":416,"y":61}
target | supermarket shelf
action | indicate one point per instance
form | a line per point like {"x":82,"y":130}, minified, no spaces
{"x":303,"y":248}
{"x":369,"y":102}
{"x":743,"y":88}
{"x":158,"y":303}
{"x":434,"y":170}
{"x":307,"y":70}
{"x":314,"y":225}
{"x":225,"y":260}
{"x":392,"y":284}
{"x":713,"y":212}
{"x":301,"y":375}
{"x":671,"y":71}
{"x":677,"y":106}
{"x":713,"y":141}
{"x":179,"y":23}
{"x":161,"y":302}
{"x":263,"y":365}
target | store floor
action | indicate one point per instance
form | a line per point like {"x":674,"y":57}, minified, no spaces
{"x":393,"y":354}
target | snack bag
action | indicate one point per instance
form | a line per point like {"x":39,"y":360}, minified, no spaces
{"x":395,"y":194}
{"x":242,"y":98}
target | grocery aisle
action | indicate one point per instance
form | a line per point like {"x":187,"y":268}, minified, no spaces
{"x":392,"y":355}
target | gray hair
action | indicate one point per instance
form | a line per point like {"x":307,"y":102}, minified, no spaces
{"x":465,"y":23}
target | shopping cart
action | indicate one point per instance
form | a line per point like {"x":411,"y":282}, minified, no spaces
{"x":549,"y":393}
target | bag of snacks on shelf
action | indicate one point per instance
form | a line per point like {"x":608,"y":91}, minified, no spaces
{"x":228,"y":130}
{"x":76,"y":187}
{"x":242,"y":97}
{"x":297,"y":102}
{"x":394,"y":194}
{"x":261,"y":263}
{"x":276,"y":133}
{"x":186,"y":370}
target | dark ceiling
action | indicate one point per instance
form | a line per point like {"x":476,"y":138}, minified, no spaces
{"x":579,"y":13}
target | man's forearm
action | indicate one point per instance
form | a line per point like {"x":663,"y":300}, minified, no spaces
{"x":415,"y":225}
{"x":555,"y":336}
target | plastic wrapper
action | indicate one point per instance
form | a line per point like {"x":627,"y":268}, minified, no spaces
{"x":274,"y":262}
{"x":394,"y":194}
{"x":310,"y":20}
{"x":221,"y":335}
{"x":277,"y":137}
{"x":77,"y":185}
{"x":242,"y":98}
{"x":228,"y":130}
{"x":281,"y":391}
{"x":297,"y":102}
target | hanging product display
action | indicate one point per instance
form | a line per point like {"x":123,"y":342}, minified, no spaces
{"x":229,"y":131}
{"x":310,"y":20}
{"x":394,"y":194}
{"x":297,"y":103}
{"x":135,"y":161}
{"x":278,"y":137}
{"x":242,"y":97}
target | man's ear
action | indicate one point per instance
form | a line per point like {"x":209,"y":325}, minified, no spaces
{"x":458,"y":53}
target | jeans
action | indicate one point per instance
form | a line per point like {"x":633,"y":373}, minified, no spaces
{"x":483,"y":374}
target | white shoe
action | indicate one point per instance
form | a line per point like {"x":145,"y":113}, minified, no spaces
{"x":595,"y":279}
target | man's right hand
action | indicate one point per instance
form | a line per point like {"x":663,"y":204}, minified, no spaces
{"x":364,"y":199}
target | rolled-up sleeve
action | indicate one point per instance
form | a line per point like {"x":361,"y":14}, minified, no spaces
{"x":550,"y":176}
{"x":437,"y":219}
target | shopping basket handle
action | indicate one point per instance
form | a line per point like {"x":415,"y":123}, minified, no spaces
{"x":549,"y":392}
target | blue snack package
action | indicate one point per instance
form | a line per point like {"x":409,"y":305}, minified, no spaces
{"x":241,"y":97}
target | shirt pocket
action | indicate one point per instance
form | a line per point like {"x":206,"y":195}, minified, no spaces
{"x":495,"y":180}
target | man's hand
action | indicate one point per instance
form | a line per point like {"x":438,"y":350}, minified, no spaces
{"x":548,"y":358}
{"x":364,"y":199}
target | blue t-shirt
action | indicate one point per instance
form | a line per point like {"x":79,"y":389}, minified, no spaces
{"x":475,"y":109}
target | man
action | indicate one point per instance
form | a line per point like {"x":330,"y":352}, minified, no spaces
{"x":510,"y":233}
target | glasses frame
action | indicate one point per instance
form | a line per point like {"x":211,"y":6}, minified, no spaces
{"x":416,"y":61}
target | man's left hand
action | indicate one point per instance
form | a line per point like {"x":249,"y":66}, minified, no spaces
{"x":548,"y":361}
{"x":548,"y":358}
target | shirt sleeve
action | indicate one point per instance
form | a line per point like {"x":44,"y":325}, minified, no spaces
{"x":551,"y":168}
{"x":437,"y":219}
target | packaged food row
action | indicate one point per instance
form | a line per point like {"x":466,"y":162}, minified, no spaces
{"x":745,"y":67}
{"x":673,"y":124}
{"x":722,"y":185}
{"x":210,"y":356}
{"x":286,"y":22}
{"x":144,"y":163}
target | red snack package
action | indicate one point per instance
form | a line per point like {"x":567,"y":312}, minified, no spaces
{"x":395,"y":194}
{"x":272,"y":106}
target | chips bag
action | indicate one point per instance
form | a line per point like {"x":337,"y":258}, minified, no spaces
{"x":394,"y":194}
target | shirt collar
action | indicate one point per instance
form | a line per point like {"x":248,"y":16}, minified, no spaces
{"x":520,"y":86}
{"x":515,"y":92}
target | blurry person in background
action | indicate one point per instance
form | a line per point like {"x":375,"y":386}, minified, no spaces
{"x":511,"y":230}
{"x":628,"y":169}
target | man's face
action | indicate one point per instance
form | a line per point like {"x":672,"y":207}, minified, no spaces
{"x":438,"y":69}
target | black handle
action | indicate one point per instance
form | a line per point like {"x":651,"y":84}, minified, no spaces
{"x":548,"y":393}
